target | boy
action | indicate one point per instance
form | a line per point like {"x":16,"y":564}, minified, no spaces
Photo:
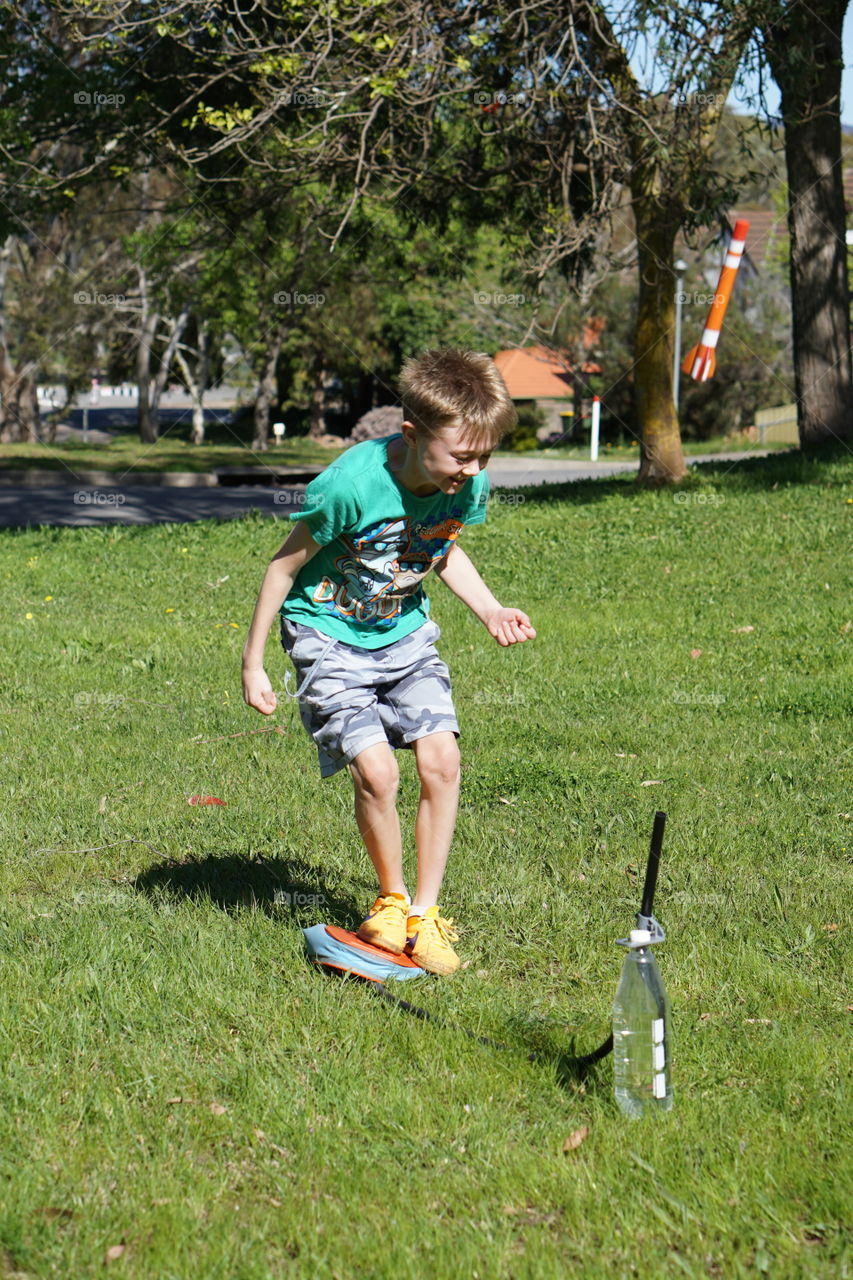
{"x":355,"y":622}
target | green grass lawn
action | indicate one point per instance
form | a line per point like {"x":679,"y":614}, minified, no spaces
{"x":127,"y":454}
{"x":716,"y":444}
{"x":181,"y":1089}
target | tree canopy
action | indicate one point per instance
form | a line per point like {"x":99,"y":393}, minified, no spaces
{"x":378,"y":148}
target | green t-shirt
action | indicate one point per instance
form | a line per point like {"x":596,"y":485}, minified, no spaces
{"x":378,"y":542}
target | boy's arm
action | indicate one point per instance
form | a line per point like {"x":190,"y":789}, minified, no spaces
{"x":508,"y":626}
{"x":296,"y":551}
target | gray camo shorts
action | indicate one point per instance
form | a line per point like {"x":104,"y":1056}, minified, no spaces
{"x":351,"y":698}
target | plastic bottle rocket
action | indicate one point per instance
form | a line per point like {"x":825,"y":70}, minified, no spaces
{"x":641,"y":1032}
{"x":641,"y":1019}
{"x":701,"y":361}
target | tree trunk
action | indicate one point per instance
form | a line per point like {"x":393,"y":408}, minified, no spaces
{"x":158,"y":386}
{"x":7,"y":373}
{"x":811,"y":88}
{"x":661,"y":458}
{"x":8,"y":421}
{"x":21,"y":417}
{"x":202,"y":370}
{"x":26,"y":407}
{"x":148,"y":425}
{"x":318,"y":403}
{"x":265,"y":393}
{"x":196,"y":384}
{"x":197,"y":429}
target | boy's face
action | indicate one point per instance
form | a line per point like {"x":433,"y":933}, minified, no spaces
{"x":446,"y":460}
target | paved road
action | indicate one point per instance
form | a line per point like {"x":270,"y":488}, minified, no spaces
{"x":148,"y":504}
{"x":133,"y":504}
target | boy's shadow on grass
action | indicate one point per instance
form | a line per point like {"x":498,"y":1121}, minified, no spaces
{"x":292,"y":886}
{"x":572,"y":1054}
{"x":233,"y":883}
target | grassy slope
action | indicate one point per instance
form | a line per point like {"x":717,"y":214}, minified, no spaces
{"x":127,"y":455}
{"x":152,"y":951}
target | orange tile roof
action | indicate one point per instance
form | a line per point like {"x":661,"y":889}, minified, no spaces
{"x":531,"y":373}
{"x":767,"y":235}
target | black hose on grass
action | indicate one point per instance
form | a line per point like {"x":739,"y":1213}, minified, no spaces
{"x":578,"y":1065}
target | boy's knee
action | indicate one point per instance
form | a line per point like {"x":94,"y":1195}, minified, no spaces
{"x":438,"y":760}
{"x":376,"y":775}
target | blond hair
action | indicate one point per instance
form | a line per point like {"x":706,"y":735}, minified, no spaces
{"x":451,"y":388}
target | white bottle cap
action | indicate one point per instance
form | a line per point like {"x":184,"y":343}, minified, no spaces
{"x":640,"y":936}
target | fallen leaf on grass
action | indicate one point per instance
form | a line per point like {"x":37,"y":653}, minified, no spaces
{"x":743,"y":630}
{"x":530,"y":1215}
{"x":52,"y":1212}
{"x":575,"y":1139}
{"x":205,"y":800}
{"x":846,"y":627}
{"x":171,"y":1102}
{"x":218,"y":1109}
{"x":830,"y":928}
{"x":246,"y":733}
{"x":114,"y":1251}
{"x":696,"y":653}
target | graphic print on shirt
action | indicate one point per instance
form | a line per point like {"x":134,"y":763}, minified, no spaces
{"x":382,"y":565}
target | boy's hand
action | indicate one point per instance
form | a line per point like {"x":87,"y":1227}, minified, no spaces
{"x":509,"y":626}
{"x":257,"y":690}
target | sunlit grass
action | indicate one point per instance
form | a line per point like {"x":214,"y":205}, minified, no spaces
{"x":178,"y":1082}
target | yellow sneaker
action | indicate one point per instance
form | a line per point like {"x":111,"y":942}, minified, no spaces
{"x":385,"y":923}
{"x":428,"y":942}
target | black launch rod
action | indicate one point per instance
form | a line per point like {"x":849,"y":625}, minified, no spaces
{"x":653,"y":864}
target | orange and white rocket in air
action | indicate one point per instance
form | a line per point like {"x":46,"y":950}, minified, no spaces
{"x":701,"y":362}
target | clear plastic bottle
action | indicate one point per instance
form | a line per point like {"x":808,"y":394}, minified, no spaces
{"x":641,"y":1033}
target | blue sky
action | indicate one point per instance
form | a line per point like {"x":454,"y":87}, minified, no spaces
{"x":846,"y":79}
{"x":643,"y":64}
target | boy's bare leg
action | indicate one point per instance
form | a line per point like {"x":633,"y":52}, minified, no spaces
{"x":437,"y":757}
{"x":375,"y":777}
